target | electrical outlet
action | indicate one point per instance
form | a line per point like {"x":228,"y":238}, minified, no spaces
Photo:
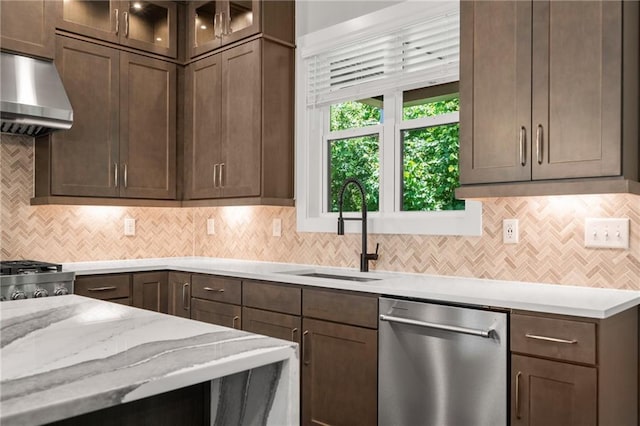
{"x":510,"y":231}
{"x":211,"y":226}
{"x":277,"y":227}
{"x":606,"y":233}
{"x":129,"y":227}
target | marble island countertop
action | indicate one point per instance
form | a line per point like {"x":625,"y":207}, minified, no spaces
{"x":65,"y":356}
{"x":547,"y":298}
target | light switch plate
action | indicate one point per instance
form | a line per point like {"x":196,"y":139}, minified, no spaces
{"x":129,"y":227}
{"x":606,"y":233}
{"x":277,"y":227}
{"x":211,"y":226}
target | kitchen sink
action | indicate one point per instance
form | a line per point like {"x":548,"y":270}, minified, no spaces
{"x":331,"y":276}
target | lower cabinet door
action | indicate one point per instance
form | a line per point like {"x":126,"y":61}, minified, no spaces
{"x":179,"y":294}
{"x":150,"y":291}
{"x":339,"y":374}
{"x":550,"y":393}
{"x":216,"y":313}
{"x":272,"y":324}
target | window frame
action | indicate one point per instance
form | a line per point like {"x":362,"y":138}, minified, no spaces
{"x":312,"y":136}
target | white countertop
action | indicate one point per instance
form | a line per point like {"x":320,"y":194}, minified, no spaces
{"x":537,"y":297}
{"x":65,"y":356}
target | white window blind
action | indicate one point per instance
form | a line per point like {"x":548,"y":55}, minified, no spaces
{"x":427,"y":51}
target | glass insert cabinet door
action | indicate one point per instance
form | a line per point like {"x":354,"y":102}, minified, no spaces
{"x":216,"y":23}
{"x":145,"y":25}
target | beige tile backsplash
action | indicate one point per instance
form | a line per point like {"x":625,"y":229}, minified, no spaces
{"x":550,"y":250}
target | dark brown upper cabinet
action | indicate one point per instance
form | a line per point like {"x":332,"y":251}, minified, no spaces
{"x":27,"y":27}
{"x":151,"y":26}
{"x":212,"y":24}
{"x":239,"y":125}
{"x":123,"y":139}
{"x":541,"y":95}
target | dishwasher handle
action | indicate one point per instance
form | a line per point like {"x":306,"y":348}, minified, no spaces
{"x":452,"y":328}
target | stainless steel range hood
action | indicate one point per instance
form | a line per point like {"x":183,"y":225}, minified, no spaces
{"x":32,"y":99}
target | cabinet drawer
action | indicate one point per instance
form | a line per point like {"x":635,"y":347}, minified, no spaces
{"x":554,"y":338}
{"x":103,"y":286}
{"x":347,"y":308}
{"x":216,"y":313}
{"x":272,"y":324}
{"x":272,"y":297}
{"x":220,"y":289}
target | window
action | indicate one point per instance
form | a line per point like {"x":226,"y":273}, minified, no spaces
{"x":381,"y":105}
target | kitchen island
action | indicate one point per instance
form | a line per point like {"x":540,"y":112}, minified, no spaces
{"x":63,"y":357}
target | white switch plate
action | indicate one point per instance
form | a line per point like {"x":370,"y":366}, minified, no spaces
{"x":211,"y":226}
{"x":606,"y":233}
{"x":510,"y":233}
{"x":129,"y":227}
{"x":277,"y":227}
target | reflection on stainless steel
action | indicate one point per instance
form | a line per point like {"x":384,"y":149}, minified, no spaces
{"x":26,"y":279}
{"x":32,"y":98}
{"x":441,"y":365}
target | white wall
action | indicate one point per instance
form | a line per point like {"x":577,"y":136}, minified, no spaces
{"x":314,"y":15}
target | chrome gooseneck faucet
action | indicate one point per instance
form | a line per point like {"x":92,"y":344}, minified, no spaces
{"x":364,"y":256}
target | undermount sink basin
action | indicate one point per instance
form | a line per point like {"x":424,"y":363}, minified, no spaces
{"x":335,"y":276}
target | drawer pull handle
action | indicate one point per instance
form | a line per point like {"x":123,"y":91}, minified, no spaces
{"x":219,"y":290}
{"x":185,"y":297}
{"x":102,"y":288}
{"x":551,"y":339}
{"x":236,"y":318}
{"x":518,"y":395}
{"x":293,"y":334}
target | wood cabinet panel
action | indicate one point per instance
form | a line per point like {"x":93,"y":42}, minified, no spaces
{"x":495,"y":91}
{"x":533,"y":335}
{"x":99,"y":19}
{"x":348,"y":308}
{"x":203,"y":117}
{"x":223,"y":314}
{"x":179,"y":303}
{"x":273,"y":324}
{"x":272,"y":297}
{"x":339,"y":374}
{"x":241,"y":120}
{"x":84,"y":159}
{"x":105,"y":287}
{"x":150,"y":291}
{"x":153,"y":27}
{"x":27,"y":27}
{"x":549,"y":393}
{"x":147,"y":127}
{"x":221,"y":289}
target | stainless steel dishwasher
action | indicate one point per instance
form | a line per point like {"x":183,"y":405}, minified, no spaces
{"x":441,"y":365}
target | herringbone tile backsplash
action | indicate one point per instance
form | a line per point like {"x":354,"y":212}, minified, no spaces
{"x":550,"y":249}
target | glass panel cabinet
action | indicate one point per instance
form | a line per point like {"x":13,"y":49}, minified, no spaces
{"x":144,"y":25}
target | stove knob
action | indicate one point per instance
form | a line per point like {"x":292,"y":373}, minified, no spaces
{"x":61,"y":291}
{"x":41,"y":292}
{"x":16,"y":295}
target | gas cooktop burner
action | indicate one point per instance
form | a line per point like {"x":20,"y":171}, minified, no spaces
{"x":17,"y":267}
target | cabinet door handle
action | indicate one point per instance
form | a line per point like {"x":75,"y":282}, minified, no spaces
{"x":108,"y":288}
{"x":221,"y":175}
{"x":126,"y":24}
{"x":115,"y":174}
{"x":518,"y":395}
{"x":126,"y":175}
{"x":117,"y":13}
{"x":293,"y":334}
{"x":227,"y":24}
{"x":523,"y":146}
{"x":219,"y":290}
{"x":236,"y":318}
{"x":195,"y":31}
{"x":186,"y":302}
{"x":305,"y":360}
{"x":539,"y":142}
{"x":551,"y":339}
{"x":215,"y":174}
{"x":217,"y":31}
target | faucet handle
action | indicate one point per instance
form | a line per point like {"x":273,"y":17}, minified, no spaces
{"x":377,"y":247}
{"x":374,"y":256}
